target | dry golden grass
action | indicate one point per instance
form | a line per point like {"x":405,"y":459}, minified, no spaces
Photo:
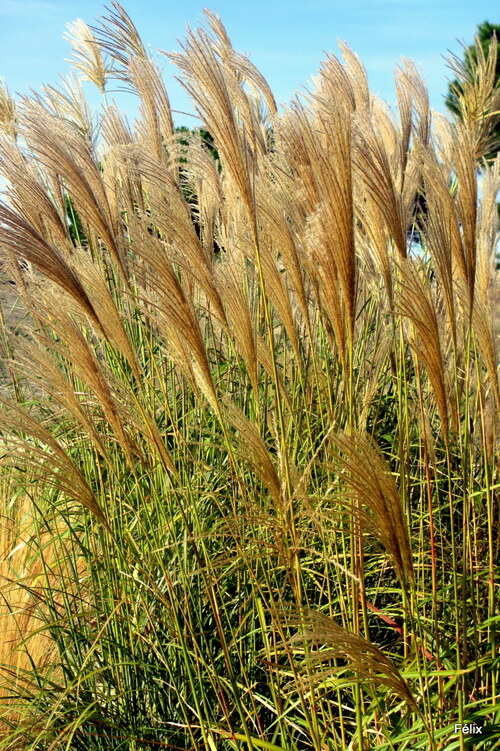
{"x":273,"y":409}
{"x":35,"y":575}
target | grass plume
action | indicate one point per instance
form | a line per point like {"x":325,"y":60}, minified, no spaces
{"x":249,"y":408}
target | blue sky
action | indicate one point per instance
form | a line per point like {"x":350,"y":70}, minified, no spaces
{"x":285,"y":39}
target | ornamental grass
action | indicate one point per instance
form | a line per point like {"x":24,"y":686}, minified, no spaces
{"x":249,"y":408}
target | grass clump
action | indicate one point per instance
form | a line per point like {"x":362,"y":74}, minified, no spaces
{"x":249,"y":423}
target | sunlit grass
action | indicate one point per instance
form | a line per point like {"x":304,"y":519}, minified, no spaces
{"x":248,"y":436}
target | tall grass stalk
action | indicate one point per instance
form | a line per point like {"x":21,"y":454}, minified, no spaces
{"x":249,"y":423}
